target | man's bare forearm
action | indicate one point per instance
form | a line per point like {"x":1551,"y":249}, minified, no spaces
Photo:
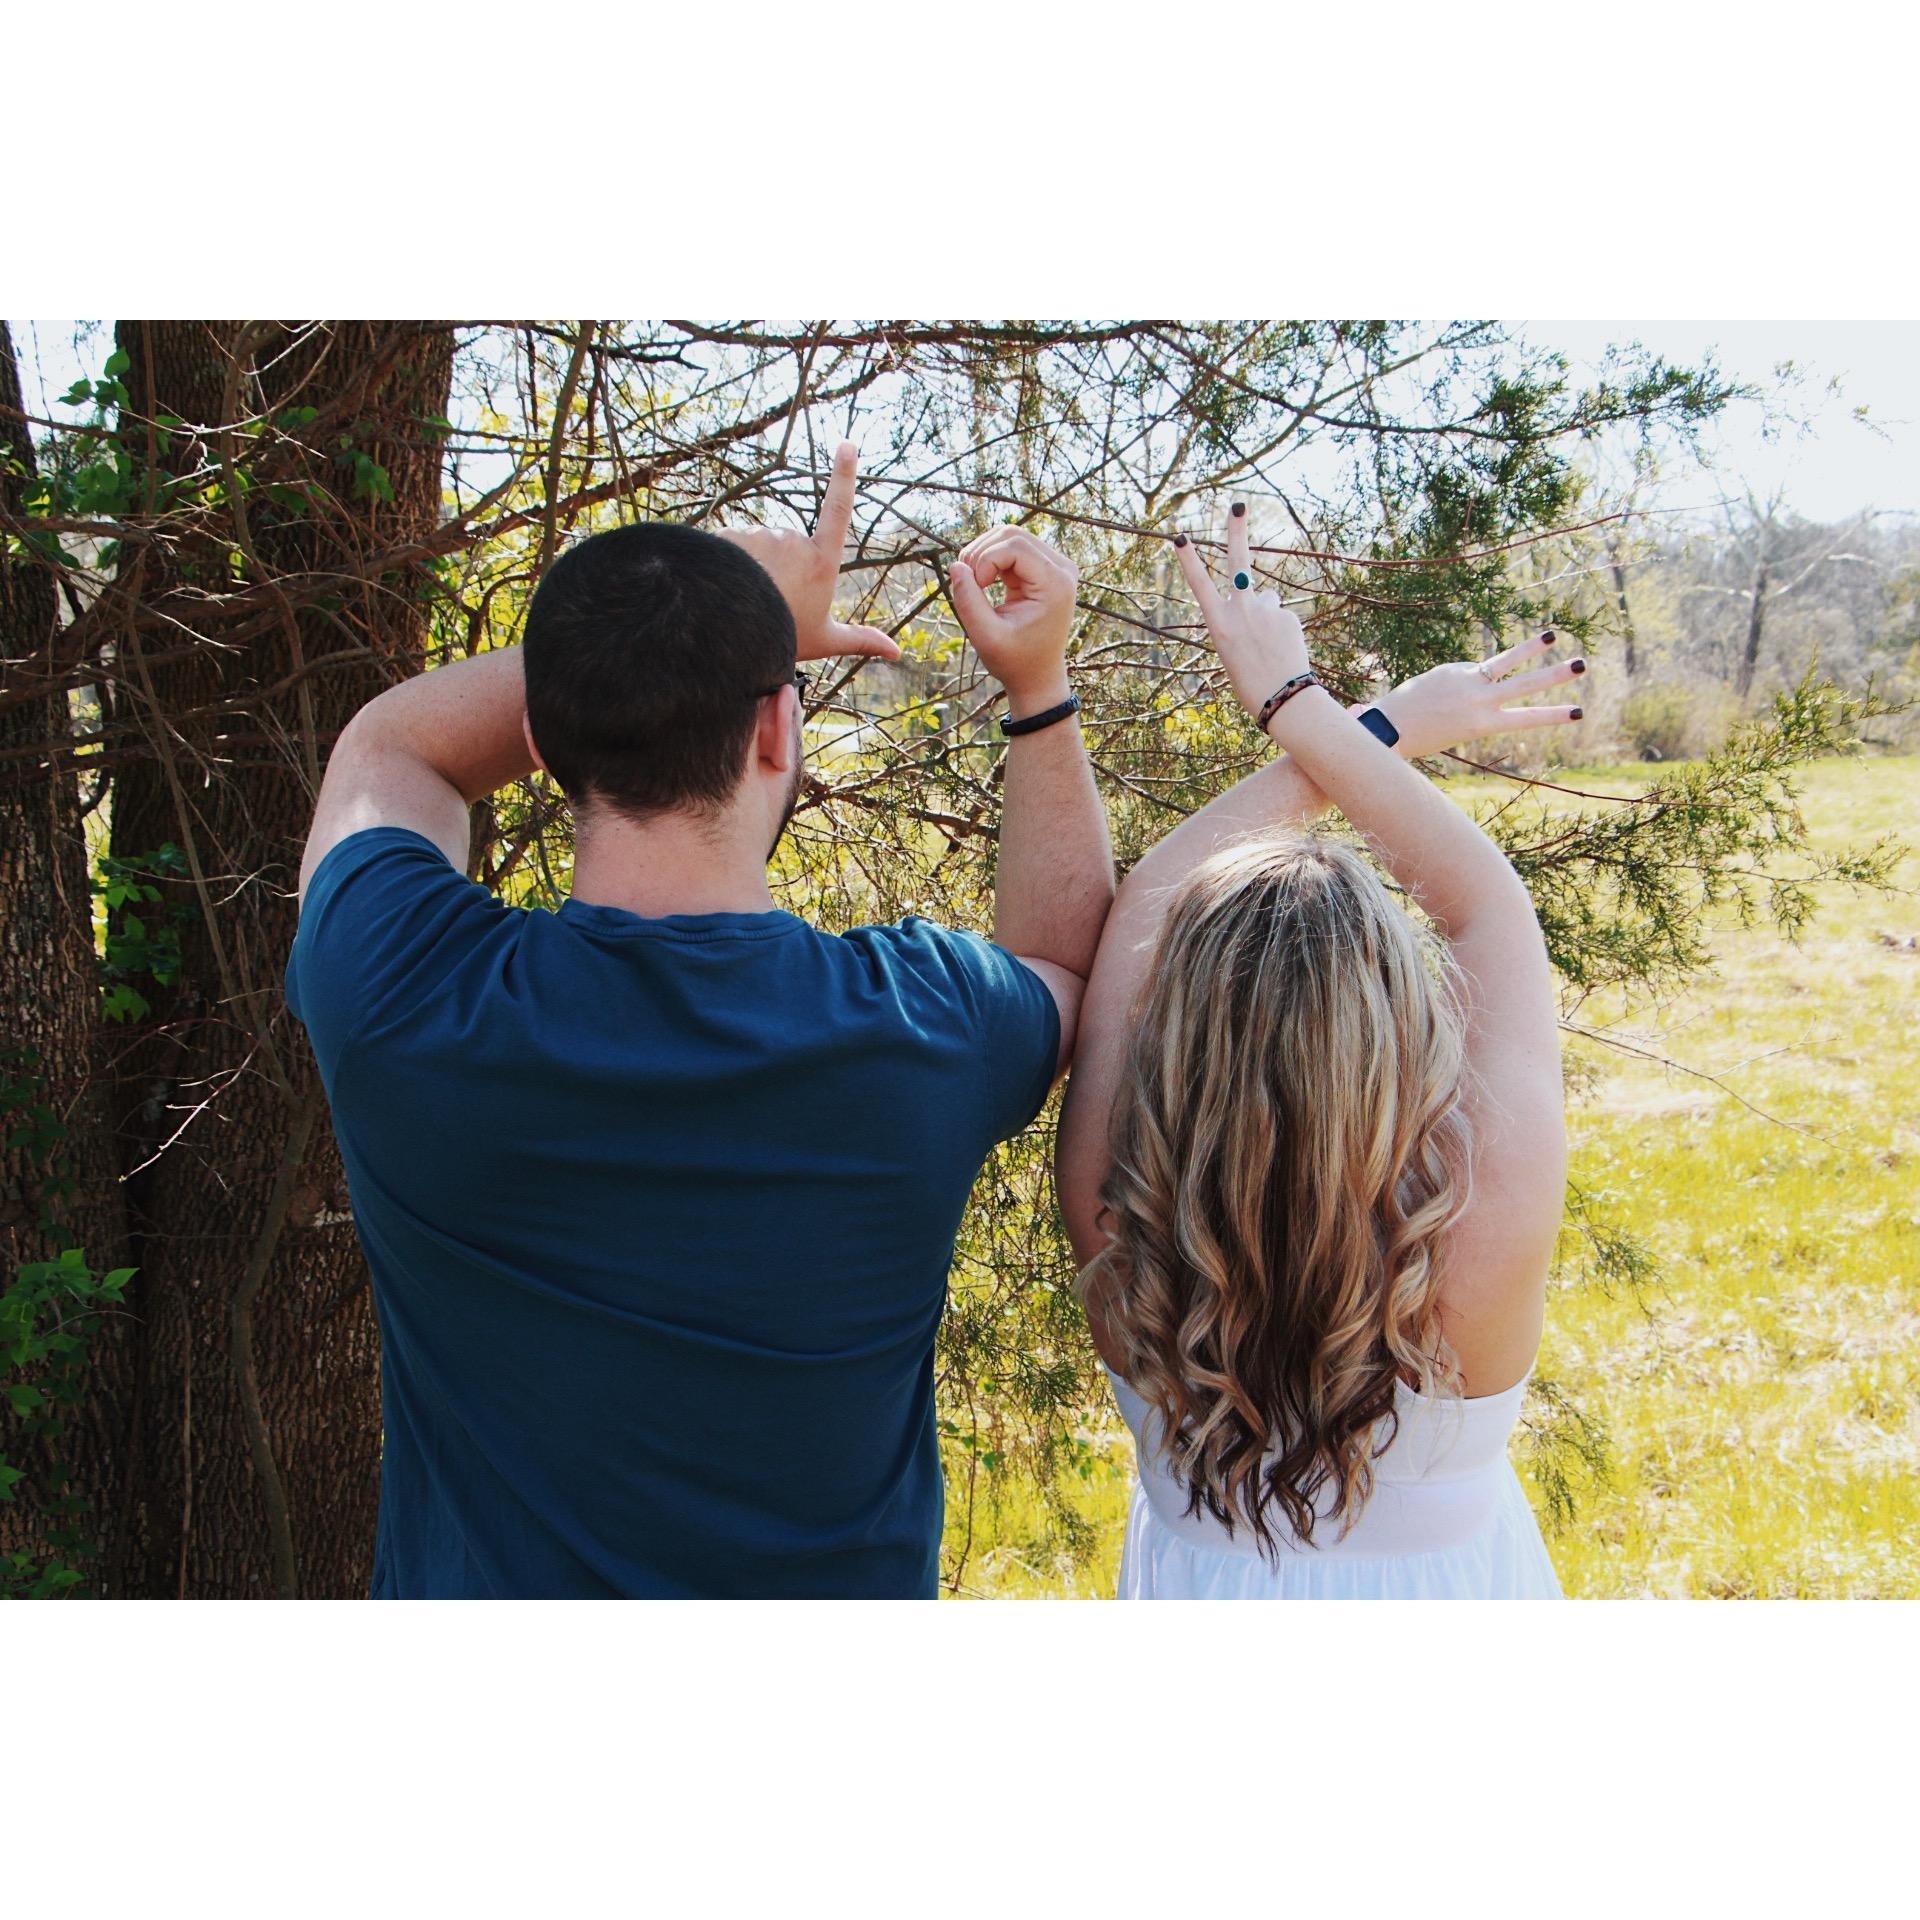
{"x":462,"y":720}
{"x":421,"y":754}
{"x":1053,"y":882}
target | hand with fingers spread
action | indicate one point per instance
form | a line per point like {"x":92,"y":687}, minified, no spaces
{"x":1458,"y":701}
{"x":806,"y":569}
{"x":1023,"y":641}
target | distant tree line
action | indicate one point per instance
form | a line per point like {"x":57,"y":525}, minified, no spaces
{"x":1698,"y":624}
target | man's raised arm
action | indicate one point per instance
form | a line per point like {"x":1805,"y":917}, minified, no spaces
{"x":419,"y":753}
{"x":1053,"y":881}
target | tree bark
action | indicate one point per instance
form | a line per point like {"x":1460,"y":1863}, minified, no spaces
{"x":65,"y":1194}
{"x":1630,"y":661}
{"x":1750,"y":654}
{"x":255,"y":1464}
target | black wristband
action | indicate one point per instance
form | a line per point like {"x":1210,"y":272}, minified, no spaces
{"x":1377,"y":724}
{"x":1067,"y":708}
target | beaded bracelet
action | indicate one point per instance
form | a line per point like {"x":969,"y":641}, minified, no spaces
{"x":1298,"y":684}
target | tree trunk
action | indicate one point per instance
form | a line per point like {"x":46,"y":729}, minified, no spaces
{"x":255,"y":1464}
{"x":1630,"y":662}
{"x":60,"y":1192}
{"x":1750,"y":655}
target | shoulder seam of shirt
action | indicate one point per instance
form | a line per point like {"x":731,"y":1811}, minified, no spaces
{"x":645,"y":929}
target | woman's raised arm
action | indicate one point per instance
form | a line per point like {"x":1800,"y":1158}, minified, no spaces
{"x":1499,"y":1251}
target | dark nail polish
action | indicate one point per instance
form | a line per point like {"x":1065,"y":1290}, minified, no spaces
{"x":1579,"y":666}
{"x":1547,"y":638}
{"x":1579,"y":713}
{"x":1179,"y":539}
{"x":1239,"y":507}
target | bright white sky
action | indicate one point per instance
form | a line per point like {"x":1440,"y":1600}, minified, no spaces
{"x":1835,"y":468}
{"x":1838,"y":467}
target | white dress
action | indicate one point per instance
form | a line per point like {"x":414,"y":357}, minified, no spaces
{"x":1447,"y":1520}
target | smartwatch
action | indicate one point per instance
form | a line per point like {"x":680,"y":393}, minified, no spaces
{"x":1377,"y":724}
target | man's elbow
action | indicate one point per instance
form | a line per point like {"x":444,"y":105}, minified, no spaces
{"x":1069,"y":991}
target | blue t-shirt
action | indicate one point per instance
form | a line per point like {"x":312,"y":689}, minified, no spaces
{"x":659,"y":1215}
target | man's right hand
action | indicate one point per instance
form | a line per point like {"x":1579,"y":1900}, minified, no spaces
{"x":1023,"y":641}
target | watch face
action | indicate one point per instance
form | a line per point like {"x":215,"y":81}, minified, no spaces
{"x":1377,"y":724}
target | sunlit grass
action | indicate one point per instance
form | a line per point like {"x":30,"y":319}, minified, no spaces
{"x":1763,"y":1401}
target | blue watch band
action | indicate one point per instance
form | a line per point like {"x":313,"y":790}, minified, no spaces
{"x":1377,"y":724}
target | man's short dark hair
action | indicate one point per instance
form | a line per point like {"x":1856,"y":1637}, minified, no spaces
{"x":644,"y":650}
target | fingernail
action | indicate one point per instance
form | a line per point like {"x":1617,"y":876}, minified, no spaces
{"x":1239,"y":507}
{"x":1579,"y":713}
{"x":1179,"y":539}
{"x":1579,"y":666}
{"x":1546,"y":639}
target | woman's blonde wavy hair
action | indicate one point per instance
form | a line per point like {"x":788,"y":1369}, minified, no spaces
{"x":1288,"y":1152}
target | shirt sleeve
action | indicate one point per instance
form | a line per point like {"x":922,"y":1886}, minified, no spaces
{"x":383,"y":917}
{"x":1012,"y":1022}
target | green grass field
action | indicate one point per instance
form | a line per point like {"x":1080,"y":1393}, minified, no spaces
{"x":1762,"y":1400}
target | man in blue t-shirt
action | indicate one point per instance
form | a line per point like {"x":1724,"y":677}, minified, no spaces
{"x":659,"y":1191}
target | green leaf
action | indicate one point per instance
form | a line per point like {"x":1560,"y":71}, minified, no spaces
{"x":77,"y":394}
{"x":24,"y":1399}
{"x":118,"y":362}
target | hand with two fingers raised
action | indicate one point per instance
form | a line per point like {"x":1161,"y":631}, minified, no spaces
{"x":1261,"y":644}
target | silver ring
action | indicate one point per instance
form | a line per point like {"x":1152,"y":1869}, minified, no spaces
{"x":1481,"y":670}
{"x":1241,"y":582}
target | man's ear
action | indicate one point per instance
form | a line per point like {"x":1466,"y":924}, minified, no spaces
{"x":776,"y":739}
{"x":526,"y":727}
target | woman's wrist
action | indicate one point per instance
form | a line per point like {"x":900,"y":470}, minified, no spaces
{"x":1258,"y":695}
{"x":1310,"y":707}
{"x":1398,"y":745}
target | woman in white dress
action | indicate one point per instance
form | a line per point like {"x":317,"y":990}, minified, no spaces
{"x":1312,"y":1160}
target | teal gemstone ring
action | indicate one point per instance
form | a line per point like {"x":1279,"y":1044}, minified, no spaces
{"x":1241,"y":582}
